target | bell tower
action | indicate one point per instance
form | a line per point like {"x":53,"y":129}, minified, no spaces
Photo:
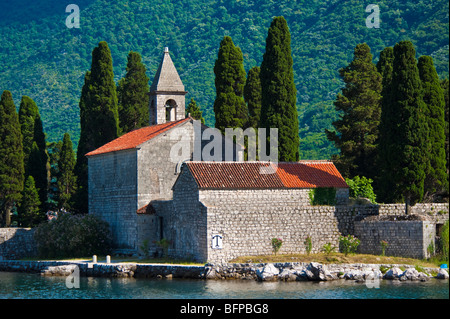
{"x":167,"y":94}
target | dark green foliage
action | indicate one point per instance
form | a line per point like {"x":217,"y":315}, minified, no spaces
{"x":322,"y":196}
{"x":194,"y":110}
{"x":66,"y":179}
{"x":433,"y":97}
{"x":11,"y":155}
{"x":278,"y":106}
{"x":54,"y":149}
{"x":403,"y":153}
{"x":50,"y":68}
{"x":73,"y":236}
{"x":361,"y":187}
{"x":34,"y":146}
{"x":229,"y":106}
{"x":133,"y":95}
{"x":445,"y":88}
{"x":98,"y":115}
{"x":314,"y":119}
{"x":252,"y":96}
{"x":30,"y":214}
{"x":356,"y":132}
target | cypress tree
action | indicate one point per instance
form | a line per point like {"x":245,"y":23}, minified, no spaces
{"x":30,"y":215}
{"x":133,"y":95}
{"x":384,"y":179}
{"x":406,"y":155}
{"x":11,"y":154}
{"x":445,"y":88}
{"x":66,"y":180}
{"x":278,"y":104}
{"x":36,"y":161}
{"x":252,"y":96}
{"x":356,"y":132}
{"x":98,"y":116}
{"x":194,"y":110}
{"x":433,"y":97}
{"x":229,"y":106}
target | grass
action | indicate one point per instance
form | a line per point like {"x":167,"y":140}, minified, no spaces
{"x":336,"y":258}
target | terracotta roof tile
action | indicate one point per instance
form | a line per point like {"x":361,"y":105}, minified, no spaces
{"x":246,"y":175}
{"x":135,"y":138}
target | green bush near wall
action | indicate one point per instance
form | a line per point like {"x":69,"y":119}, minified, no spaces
{"x":71,"y":236}
{"x":322,"y":196}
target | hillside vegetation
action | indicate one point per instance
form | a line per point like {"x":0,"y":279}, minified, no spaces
{"x":40,"y":57}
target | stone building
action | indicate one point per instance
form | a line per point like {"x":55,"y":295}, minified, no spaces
{"x":155,"y":183}
{"x":141,"y":166}
{"x":221,"y":210}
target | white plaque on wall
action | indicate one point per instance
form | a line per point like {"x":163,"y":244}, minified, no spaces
{"x":216,"y":242}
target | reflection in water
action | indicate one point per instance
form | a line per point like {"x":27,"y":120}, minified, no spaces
{"x":32,"y":286}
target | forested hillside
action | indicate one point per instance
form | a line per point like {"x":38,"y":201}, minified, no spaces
{"x":42,"y":58}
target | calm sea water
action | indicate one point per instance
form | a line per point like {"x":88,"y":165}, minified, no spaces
{"x":34,"y":286}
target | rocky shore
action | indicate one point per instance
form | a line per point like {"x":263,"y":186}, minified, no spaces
{"x":246,"y":271}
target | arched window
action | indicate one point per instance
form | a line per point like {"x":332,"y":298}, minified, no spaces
{"x":170,"y":110}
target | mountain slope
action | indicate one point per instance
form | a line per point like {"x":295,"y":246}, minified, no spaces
{"x":42,"y":58}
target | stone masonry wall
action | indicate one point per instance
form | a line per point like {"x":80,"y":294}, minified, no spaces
{"x":17,"y":243}
{"x":247,"y":220}
{"x":405,"y":238}
{"x":112,"y":193}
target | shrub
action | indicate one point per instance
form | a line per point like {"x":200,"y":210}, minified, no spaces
{"x":308,"y":244}
{"x":444,"y":241}
{"x":328,"y":248}
{"x":276,"y":244}
{"x":164,"y":245}
{"x":322,"y":196}
{"x":73,"y":236}
{"x":348,"y":244}
{"x":361,"y":187}
{"x":384,"y":245}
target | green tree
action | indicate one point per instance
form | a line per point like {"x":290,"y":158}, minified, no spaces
{"x":356,"y":132}
{"x":30,"y":214}
{"x":194,"y":110}
{"x":445,"y":88}
{"x":433,"y":96}
{"x":252,"y":96}
{"x":278,"y":104}
{"x":133,"y":95}
{"x":98,"y":116}
{"x":229,"y":106}
{"x":388,"y":119}
{"x":11,"y":154}
{"x":405,"y":156}
{"x":36,"y":161}
{"x":66,"y":180}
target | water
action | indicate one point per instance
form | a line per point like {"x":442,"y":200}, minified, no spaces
{"x":34,"y":286}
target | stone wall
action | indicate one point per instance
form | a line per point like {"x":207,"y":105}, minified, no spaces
{"x":247,"y":220}
{"x":17,"y":243}
{"x":112,"y":193}
{"x":405,"y":238}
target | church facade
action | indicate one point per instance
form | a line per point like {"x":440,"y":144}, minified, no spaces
{"x":149,"y":185}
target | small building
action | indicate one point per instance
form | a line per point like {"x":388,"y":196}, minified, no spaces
{"x":222,"y":210}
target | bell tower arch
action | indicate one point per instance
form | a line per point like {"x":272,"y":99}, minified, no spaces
{"x":167,"y":94}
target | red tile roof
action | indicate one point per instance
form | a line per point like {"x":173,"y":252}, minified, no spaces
{"x":247,"y":175}
{"x":135,"y":138}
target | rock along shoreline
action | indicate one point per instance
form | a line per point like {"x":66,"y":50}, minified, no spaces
{"x":289,"y":271}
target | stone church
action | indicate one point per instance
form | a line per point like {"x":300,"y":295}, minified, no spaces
{"x":148,"y":185}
